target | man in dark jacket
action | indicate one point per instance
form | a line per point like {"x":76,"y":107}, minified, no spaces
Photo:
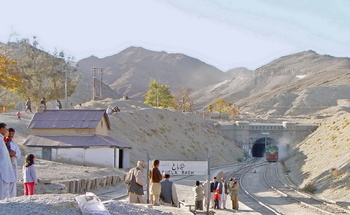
{"x":168,"y":195}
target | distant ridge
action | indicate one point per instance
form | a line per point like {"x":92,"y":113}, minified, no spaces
{"x":289,"y":85}
{"x":130,"y":71}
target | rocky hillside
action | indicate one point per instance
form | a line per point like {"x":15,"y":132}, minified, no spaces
{"x":298,"y":84}
{"x":169,"y":135}
{"x":166,"y":134}
{"x":322,"y":160}
{"x":130,"y":71}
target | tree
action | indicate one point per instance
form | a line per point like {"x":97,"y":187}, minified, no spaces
{"x":222,"y":106}
{"x":159,"y":95}
{"x":182,"y":100}
{"x":232,"y":111}
{"x":210,"y":108}
{"x":10,"y":78}
{"x":44,"y":74}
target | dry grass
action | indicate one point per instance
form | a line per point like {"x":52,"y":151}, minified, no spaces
{"x":335,"y":172}
{"x":310,"y":188}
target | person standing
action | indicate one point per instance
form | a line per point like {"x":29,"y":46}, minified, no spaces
{"x":7,"y":175}
{"x":135,"y":182}
{"x":213,"y":186}
{"x":58,"y":104}
{"x":198,"y":196}
{"x":28,"y":105}
{"x":14,"y":153}
{"x":155,"y":188}
{"x":223,"y":191}
{"x":234,"y":188}
{"x":43,"y":103}
{"x":29,"y":175}
{"x":168,"y":195}
{"x":207,"y":193}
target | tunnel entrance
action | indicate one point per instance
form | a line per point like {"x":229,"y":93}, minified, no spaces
{"x":258,"y":149}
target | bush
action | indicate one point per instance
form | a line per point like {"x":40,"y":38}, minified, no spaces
{"x":245,"y":154}
{"x":309,"y":188}
{"x":335,"y":172}
{"x":239,"y":159}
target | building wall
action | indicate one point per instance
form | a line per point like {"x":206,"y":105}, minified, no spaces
{"x":101,"y":156}
{"x":96,"y":156}
{"x":63,"y":131}
{"x":102,"y":128}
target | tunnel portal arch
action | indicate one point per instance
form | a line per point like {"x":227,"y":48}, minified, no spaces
{"x":258,"y":148}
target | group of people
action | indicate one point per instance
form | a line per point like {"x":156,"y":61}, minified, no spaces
{"x":9,"y":154}
{"x":162,"y":190}
{"x":219,"y":191}
{"x":114,"y":110}
{"x":28,"y":104}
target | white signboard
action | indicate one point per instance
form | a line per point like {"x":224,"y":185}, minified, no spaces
{"x":183,"y":167}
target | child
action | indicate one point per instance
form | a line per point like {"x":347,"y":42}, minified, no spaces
{"x":19,"y":115}
{"x":29,"y":176}
{"x":216,"y":199}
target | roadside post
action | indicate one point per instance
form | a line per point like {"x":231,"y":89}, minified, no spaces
{"x":148,"y":162}
{"x":207,"y":188}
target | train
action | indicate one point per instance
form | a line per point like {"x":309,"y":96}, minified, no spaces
{"x":271,"y":152}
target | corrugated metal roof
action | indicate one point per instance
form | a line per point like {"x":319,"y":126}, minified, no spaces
{"x":68,"y":118}
{"x":73,"y":141}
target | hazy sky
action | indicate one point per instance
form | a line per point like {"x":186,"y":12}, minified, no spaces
{"x":224,"y":33}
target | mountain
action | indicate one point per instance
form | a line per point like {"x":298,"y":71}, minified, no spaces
{"x":130,"y":71}
{"x":297,"y":84}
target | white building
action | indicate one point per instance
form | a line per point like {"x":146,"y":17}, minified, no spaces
{"x":76,"y":136}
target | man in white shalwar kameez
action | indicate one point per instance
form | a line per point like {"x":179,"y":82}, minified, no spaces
{"x":14,"y":155}
{"x":6,"y":171}
{"x":223,"y":190}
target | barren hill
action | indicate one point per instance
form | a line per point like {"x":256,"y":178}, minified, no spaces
{"x":298,"y":84}
{"x":322,"y":159}
{"x":130,"y":71}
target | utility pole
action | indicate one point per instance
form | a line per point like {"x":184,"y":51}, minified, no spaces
{"x":66,"y":90}
{"x":93,"y":72}
{"x":101,"y":72}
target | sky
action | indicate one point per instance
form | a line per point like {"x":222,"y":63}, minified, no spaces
{"x":224,"y":33}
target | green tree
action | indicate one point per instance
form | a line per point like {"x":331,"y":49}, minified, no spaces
{"x":159,"y":95}
{"x":182,"y":100}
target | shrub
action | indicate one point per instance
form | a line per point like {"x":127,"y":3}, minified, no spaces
{"x":245,"y":154}
{"x":239,"y":159}
{"x":309,"y":188}
{"x":335,"y":172}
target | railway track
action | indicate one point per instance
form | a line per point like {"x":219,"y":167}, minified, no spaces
{"x":273,"y":179}
{"x":248,"y":198}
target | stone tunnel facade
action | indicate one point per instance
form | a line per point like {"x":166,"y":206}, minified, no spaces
{"x":254,"y":137}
